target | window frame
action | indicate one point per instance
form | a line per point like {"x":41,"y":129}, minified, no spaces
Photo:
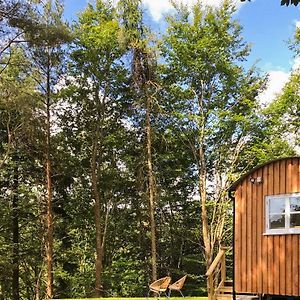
{"x":287,"y":229}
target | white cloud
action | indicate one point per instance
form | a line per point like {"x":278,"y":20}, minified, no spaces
{"x":158,"y":7}
{"x":277,"y":80}
{"x":297,"y":23}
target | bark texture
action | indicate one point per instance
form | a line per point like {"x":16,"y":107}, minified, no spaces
{"x":151,"y":190}
{"x":15,"y":229}
{"x":49,"y":196}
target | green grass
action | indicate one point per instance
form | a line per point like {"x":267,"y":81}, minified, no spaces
{"x":144,"y":298}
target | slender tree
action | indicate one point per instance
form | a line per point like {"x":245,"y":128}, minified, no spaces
{"x":143,"y":80}
{"x":45,"y":50}
{"x":97,"y":59}
{"x":15,"y":230}
{"x":214,"y":104}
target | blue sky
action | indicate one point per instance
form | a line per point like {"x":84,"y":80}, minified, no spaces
{"x":266,"y":25}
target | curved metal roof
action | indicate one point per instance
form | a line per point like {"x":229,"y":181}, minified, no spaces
{"x":236,"y":183}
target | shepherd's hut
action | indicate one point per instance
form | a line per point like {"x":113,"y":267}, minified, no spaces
{"x":267,"y":229}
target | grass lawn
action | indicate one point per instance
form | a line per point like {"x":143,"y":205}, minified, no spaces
{"x":151,"y":298}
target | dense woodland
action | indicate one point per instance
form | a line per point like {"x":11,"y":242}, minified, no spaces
{"x":118,"y":144}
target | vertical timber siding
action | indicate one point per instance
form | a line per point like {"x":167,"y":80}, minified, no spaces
{"x":266,"y":264}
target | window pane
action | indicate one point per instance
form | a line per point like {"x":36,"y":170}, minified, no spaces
{"x":295,"y":221}
{"x":295,"y":203}
{"x":277,"y":206}
{"x":277,"y":221}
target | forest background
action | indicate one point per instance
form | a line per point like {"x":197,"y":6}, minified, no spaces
{"x":118,"y":145}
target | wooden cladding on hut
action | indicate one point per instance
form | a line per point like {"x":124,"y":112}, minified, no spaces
{"x":267,"y":229}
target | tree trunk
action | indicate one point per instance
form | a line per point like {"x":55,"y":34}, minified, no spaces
{"x":49,"y":234}
{"x":202,"y":192}
{"x":9,"y":144}
{"x":49,"y":208}
{"x":38,"y":285}
{"x":151,"y":190}
{"x":98,"y":222}
{"x":205,"y":227}
{"x":202,"y":174}
{"x":15,"y":229}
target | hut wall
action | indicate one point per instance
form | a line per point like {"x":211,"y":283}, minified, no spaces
{"x":266,"y":264}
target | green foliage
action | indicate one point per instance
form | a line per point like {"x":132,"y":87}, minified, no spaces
{"x":283,"y":113}
{"x":125,"y":276}
{"x":211,"y":101}
{"x":200,"y":84}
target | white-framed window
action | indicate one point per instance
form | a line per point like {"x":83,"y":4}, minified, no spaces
{"x":283,"y":214}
